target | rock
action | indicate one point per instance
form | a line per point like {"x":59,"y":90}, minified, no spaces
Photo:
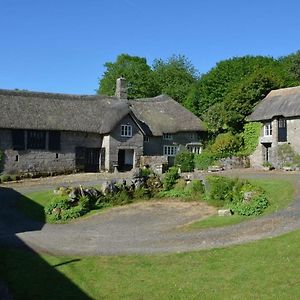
{"x":56,"y":211}
{"x":215,"y":169}
{"x":288,"y":168}
{"x":224,"y":212}
{"x":247,"y":197}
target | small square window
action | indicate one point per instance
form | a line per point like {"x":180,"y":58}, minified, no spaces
{"x":167,"y":136}
{"x":146,"y":139}
{"x":126,"y":130}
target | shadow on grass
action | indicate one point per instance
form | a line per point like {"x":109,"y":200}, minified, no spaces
{"x":25,"y":272}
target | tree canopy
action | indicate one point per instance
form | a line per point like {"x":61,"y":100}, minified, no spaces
{"x":223,"y":97}
{"x":139,"y":76}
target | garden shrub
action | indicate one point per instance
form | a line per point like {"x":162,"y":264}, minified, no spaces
{"x":195,"y":187}
{"x":170,"y":178}
{"x":204,"y":160}
{"x":231,"y":193}
{"x":287,"y":155}
{"x":185,"y":160}
{"x":226,"y":144}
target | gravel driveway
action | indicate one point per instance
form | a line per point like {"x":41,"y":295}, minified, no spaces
{"x":141,"y":228}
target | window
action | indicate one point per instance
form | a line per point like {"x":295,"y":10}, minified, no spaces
{"x":282,"y":130}
{"x":170,"y":150}
{"x":18,"y":139}
{"x":197,"y":149}
{"x":146,"y":139}
{"x":54,"y":140}
{"x":126,"y":130}
{"x":167,"y":136}
{"x":193,"y":136}
{"x":268,"y":129}
{"x":36,"y":139}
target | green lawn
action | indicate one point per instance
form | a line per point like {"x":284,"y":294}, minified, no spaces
{"x":279,"y":192}
{"x":267,"y":269}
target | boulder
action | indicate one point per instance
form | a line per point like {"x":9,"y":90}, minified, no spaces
{"x":224,"y":212}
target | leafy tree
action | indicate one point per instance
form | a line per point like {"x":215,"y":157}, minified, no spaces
{"x":292,"y":64}
{"x":213,"y":87}
{"x":139,"y":76}
{"x":175,"y":76}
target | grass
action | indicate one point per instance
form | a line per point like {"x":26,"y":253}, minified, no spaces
{"x":279,"y":193}
{"x":267,"y":269}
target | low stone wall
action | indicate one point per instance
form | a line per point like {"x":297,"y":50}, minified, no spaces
{"x":157,"y":163}
{"x":235,"y":162}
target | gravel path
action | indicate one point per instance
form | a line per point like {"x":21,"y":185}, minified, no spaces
{"x":141,"y":228}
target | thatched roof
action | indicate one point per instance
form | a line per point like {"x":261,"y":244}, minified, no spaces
{"x":98,"y":114}
{"x":281,"y":102}
{"x":162,"y":114}
{"x":49,"y":111}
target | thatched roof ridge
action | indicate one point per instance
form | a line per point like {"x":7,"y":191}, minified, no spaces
{"x":162,"y":114}
{"x":282,"y":102}
{"x":49,"y":111}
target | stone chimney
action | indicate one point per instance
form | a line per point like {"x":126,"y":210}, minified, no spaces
{"x":121,"y":88}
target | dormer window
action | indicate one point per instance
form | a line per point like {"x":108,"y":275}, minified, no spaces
{"x":268,"y":129}
{"x":168,"y":136}
{"x":126,"y":130}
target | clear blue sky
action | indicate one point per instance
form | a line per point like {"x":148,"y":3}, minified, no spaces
{"x":61,"y":45}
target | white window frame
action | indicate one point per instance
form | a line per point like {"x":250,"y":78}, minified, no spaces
{"x":268,"y":129}
{"x":170,"y":150}
{"x":126,"y":130}
{"x":146,"y":139}
{"x":167,"y":136}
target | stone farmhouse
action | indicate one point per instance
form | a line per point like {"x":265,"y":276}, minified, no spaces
{"x":279,"y":113}
{"x":60,"y":133}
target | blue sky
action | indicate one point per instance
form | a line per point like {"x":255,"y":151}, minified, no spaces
{"x":61,"y":45}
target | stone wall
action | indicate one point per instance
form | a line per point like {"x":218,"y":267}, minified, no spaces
{"x":157,"y":163}
{"x":235,"y":162}
{"x":45,"y":161}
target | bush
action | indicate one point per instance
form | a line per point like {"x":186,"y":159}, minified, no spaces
{"x":195,"y":187}
{"x":204,"y":160}
{"x":231,"y":193}
{"x":253,"y":208}
{"x":170,"y":178}
{"x":226,"y":144}
{"x":185,"y":160}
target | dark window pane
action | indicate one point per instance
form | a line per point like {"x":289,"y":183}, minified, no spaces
{"x":282,"y":130}
{"x":18,"y":139}
{"x":54,"y":140}
{"x":36,"y":139}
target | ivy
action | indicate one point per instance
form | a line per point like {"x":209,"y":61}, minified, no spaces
{"x":251,"y":136}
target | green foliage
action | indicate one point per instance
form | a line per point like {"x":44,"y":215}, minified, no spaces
{"x":253,"y":208}
{"x":185,"y":160}
{"x":175,"y":76}
{"x":251,"y":137}
{"x":195,"y":187}
{"x":204,"y":160}
{"x":226,"y":144}
{"x":138,"y":74}
{"x":170,"y":178}
{"x":230,"y":193}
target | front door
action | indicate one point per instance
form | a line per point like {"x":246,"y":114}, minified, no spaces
{"x":87,"y":159}
{"x":92,"y":156}
{"x":266,"y":152}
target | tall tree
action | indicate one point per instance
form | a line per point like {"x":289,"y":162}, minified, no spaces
{"x":175,"y":76}
{"x":138,"y":73}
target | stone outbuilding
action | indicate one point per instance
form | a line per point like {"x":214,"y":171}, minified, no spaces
{"x":279,"y":114}
{"x":62,"y":133}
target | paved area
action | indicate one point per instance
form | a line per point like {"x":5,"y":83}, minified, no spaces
{"x":154,"y":227}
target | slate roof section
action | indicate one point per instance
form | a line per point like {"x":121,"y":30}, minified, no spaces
{"x":282,"y":102}
{"x":162,"y":114}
